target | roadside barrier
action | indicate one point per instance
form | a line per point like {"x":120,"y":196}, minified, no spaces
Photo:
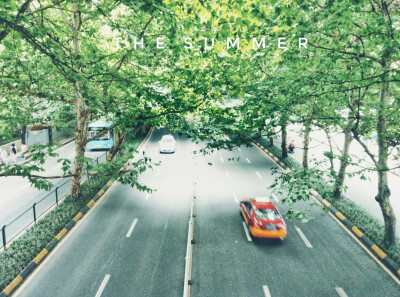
{"x":30,"y":216}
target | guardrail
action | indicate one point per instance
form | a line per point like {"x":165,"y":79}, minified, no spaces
{"x":188,"y":258}
{"x":18,"y":225}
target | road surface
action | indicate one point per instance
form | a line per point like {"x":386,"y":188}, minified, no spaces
{"x":134,"y":243}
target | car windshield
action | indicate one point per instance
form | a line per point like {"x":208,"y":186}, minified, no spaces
{"x":167,"y":140}
{"x":267,"y":214}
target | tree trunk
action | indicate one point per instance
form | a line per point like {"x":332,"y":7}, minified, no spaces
{"x":284,"y":142}
{"x":23,"y":134}
{"x":383,"y":187}
{"x":80,"y":143}
{"x":306,"y":143}
{"x":344,"y":161}
{"x":117,"y":146}
{"x":82,"y":113}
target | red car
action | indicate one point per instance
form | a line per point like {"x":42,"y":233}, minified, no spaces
{"x":263,"y":218}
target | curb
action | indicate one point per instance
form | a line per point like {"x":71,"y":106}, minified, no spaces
{"x":53,"y":243}
{"x":382,"y":256}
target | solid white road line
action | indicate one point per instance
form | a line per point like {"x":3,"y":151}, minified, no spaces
{"x":235,"y":197}
{"x":131,"y":228}
{"x":259,"y":175}
{"x":275,"y":198}
{"x":308,"y":244}
{"x":341,"y":292}
{"x":222,"y":160}
{"x":248,"y":161}
{"x":266,"y":291}
{"x":239,"y":149}
{"x":147,"y":196}
{"x":246,"y":231}
{"x":227,"y":174}
{"x":103,"y":285}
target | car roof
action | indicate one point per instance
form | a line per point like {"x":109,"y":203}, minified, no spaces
{"x":167,"y":136}
{"x":262,"y":203}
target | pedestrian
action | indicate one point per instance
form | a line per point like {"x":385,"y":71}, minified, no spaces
{"x":13,"y":153}
{"x":24,"y":148}
{"x":13,"y":149}
{"x":3,"y":155}
{"x":291,"y":147}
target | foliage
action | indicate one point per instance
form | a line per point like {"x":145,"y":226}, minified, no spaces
{"x":25,"y":248}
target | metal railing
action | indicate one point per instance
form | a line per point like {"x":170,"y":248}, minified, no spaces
{"x":18,"y":225}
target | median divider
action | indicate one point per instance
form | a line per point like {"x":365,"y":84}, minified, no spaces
{"x":52,"y":244}
{"x":189,"y":252}
{"x":383,"y":257}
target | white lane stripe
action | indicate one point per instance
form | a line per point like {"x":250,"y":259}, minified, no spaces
{"x":222,"y":160}
{"x":131,"y":228}
{"x":275,"y":198}
{"x":239,"y":149}
{"x":248,"y":161}
{"x":147,"y":196}
{"x":103,"y":285}
{"x":341,"y":292}
{"x":266,"y":291}
{"x":246,"y":231}
{"x":227,"y":174}
{"x":235,"y":197}
{"x":308,"y":244}
{"x":259,"y":175}
{"x":158,"y":172}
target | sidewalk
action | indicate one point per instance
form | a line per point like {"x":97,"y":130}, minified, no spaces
{"x":64,"y":140}
{"x":361,"y":191}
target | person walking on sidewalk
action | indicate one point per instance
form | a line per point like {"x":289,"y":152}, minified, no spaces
{"x":291,"y":147}
{"x":3,"y":155}
{"x":13,"y":153}
{"x":24,"y":148}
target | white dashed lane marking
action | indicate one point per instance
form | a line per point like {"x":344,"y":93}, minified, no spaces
{"x":235,"y":197}
{"x":103,"y":285}
{"x":246,"y":230}
{"x":259,"y":175}
{"x":341,"y":292}
{"x":266,"y":291}
{"x":131,"y":228}
{"x":308,"y":244}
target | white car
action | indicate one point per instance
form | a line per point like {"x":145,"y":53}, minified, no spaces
{"x":167,"y":144}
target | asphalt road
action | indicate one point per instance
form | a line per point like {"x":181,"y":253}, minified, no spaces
{"x":18,"y":195}
{"x":134,"y":243}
